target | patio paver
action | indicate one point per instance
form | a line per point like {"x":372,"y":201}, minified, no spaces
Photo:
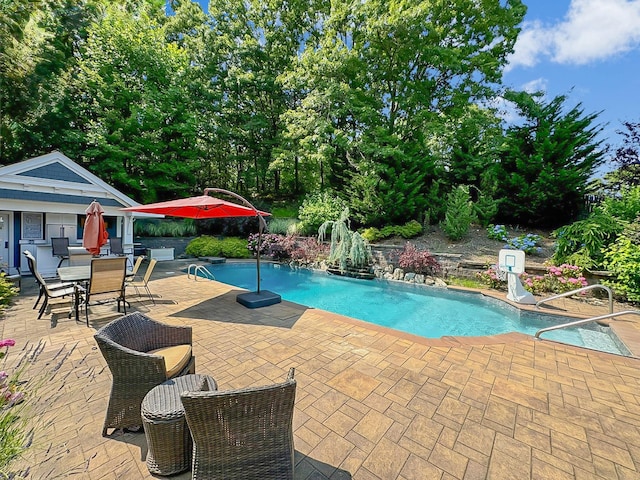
{"x":371,"y":403}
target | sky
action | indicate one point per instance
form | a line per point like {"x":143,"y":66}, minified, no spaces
{"x":588,"y":50}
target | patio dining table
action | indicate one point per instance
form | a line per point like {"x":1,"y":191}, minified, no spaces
{"x":78,"y":274}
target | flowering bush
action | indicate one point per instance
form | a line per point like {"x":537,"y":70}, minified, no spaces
{"x":557,"y":279}
{"x":527,"y":243}
{"x":13,"y":433}
{"x":9,"y":394}
{"x":278,"y":247}
{"x":497,"y":232}
{"x":418,"y":261}
{"x":309,"y":250}
{"x":564,"y":278}
{"x":491,"y":276}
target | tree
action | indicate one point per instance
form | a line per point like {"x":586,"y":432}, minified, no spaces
{"x":383,"y":76}
{"x":545,"y":163}
{"x":136,"y":117}
{"x":627,"y":159}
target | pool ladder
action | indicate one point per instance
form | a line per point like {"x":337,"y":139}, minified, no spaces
{"x":611,"y":313}
{"x":203,"y":272}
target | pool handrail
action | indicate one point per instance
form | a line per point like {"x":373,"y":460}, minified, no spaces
{"x":580,"y":290}
{"x":586,"y":320}
{"x":199,"y":269}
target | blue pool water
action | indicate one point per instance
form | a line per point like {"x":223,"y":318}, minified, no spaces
{"x":424,"y":311}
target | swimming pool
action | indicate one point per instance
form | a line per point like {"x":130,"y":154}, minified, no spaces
{"x":424,"y":311}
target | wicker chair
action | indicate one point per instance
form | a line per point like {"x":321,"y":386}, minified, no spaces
{"x":242,"y":434}
{"x":141,"y":353}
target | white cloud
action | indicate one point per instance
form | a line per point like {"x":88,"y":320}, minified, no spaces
{"x":537,"y":85}
{"x":591,"y":30}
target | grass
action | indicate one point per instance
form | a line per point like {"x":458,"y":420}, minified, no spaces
{"x":465,"y":282}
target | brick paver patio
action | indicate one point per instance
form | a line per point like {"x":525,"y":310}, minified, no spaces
{"x":371,"y":403}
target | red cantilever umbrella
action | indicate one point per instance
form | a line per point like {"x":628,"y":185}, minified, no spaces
{"x":205,"y":206}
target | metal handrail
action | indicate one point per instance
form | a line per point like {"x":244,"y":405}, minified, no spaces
{"x":586,"y":320}
{"x":199,"y":268}
{"x":579,"y":290}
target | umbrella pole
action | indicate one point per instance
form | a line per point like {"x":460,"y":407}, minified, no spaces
{"x":258,"y":255}
{"x":261,"y":223}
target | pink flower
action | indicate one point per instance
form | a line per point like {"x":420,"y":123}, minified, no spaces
{"x":7,"y":343}
{"x":15,"y":398}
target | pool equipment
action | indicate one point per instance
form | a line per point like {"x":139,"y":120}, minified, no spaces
{"x":511,"y":263}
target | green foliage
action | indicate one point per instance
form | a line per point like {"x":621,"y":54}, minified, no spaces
{"x":206,"y":246}
{"x":582,"y":243}
{"x":318,"y":208}
{"x":546,"y":162}
{"x":485,"y":209}
{"x":7,"y":291}
{"x":408,"y":230}
{"x":625,"y":206}
{"x":347,"y":248}
{"x":285,"y":212}
{"x":164,"y":228}
{"x":459,"y":215}
{"x":622,"y":258}
{"x":281,"y":226}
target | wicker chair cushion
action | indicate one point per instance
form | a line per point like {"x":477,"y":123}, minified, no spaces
{"x":175,"y":358}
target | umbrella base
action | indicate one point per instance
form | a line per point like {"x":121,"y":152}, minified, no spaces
{"x":264,"y":298}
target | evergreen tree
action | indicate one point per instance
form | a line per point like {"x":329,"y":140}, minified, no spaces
{"x":545,"y":163}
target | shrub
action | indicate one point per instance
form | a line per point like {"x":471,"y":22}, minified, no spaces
{"x":560,"y":279}
{"x":278,"y":247}
{"x":207,"y":246}
{"x":626,"y":207}
{"x":309,"y":250}
{"x":234,"y":247}
{"x":497,"y":232}
{"x":527,"y":243}
{"x":318,"y":208}
{"x":492,"y":278}
{"x":459,"y":213}
{"x":408,"y":230}
{"x":165,"y":228}
{"x":7,"y":291}
{"x":281,"y":225}
{"x":372,"y":234}
{"x":583,"y":242}
{"x":418,"y":260}
{"x":485,"y":209}
{"x":557,"y":279}
{"x":622,"y":258}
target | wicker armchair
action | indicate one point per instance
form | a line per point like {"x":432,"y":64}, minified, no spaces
{"x":242,"y":434}
{"x":141,"y":353}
